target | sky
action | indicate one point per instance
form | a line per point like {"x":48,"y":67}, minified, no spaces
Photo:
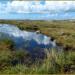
{"x":37,"y":10}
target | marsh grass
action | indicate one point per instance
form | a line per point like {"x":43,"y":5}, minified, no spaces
{"x":55,"y":62}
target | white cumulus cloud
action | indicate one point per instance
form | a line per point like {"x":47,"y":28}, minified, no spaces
{"x":37,"y":7}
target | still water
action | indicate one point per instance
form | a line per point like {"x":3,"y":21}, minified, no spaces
{"x":26,"y":40}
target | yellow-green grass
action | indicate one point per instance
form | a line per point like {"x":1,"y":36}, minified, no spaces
{"x":55,"y":63}
{"x":62,"y":31}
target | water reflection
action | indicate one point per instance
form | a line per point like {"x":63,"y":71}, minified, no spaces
{"x":26,"y":40}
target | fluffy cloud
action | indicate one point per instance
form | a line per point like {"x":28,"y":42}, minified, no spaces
{"x":51,"y":7}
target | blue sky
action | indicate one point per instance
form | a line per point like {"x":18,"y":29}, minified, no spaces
{"x":37,"y":10}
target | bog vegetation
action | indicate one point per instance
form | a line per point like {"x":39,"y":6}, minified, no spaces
{"x":14,"y":61}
